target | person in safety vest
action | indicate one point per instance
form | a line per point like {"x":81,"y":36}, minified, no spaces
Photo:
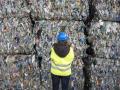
{"x":61,"y":55}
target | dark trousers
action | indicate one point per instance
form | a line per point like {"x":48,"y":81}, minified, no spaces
{"x":56,"y":81}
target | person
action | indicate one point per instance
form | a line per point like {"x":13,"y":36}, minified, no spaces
{"x":62,"y":55}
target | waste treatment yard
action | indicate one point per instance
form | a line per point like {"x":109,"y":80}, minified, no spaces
{"x":28,"y":29}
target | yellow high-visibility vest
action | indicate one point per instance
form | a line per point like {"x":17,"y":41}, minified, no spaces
{"x":61,"y":66}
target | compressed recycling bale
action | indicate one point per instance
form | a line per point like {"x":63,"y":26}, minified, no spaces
{"x":59,"y":9}
{"x":16,"y":35}
{"x":106,"y":39}
{"x":108,"y":10}
{"x":50,"y":29}
{"x":106,"y":74}
{"x":20,"y":72}
{"x":56,"y":9}
{"x":10,"y":8}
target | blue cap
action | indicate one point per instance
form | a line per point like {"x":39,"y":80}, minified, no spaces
{"x":62,"y":36}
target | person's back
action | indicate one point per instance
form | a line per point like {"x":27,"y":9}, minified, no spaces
{"x":62,"y":56}
{"x":61,"y":48}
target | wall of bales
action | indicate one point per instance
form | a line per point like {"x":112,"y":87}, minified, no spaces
{"x":26,"y":22}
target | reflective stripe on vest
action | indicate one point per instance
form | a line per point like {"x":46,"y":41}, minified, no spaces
{"x":62,"y":65}
{"x":55,"y":67}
